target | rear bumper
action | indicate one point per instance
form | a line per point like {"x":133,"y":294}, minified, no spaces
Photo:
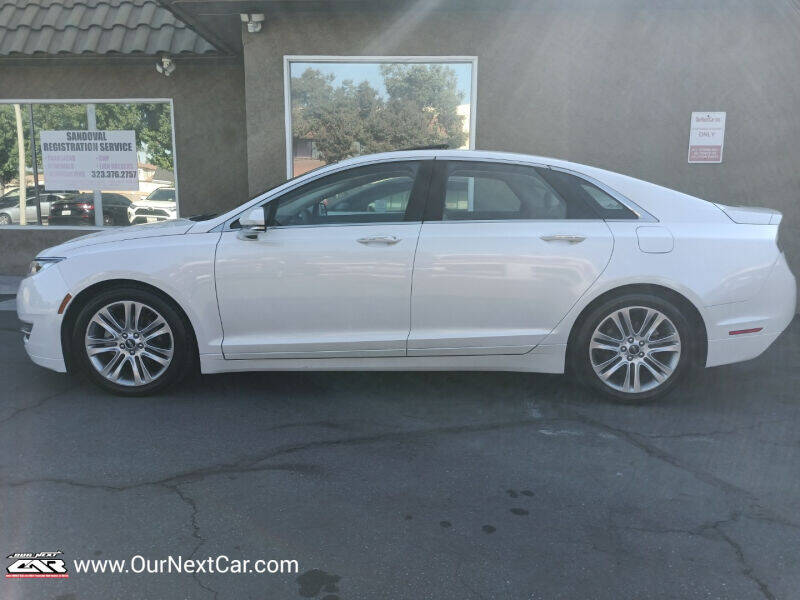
{"x":76,"y":219}
{"x":771,"y":310}
{"x":38,"y":300}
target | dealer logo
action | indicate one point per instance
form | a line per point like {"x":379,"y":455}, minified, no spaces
{"x":36,"y":565}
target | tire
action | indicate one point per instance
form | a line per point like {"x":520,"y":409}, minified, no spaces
{"x":140,"y":349}
{"x":108,"y":220}
{"x":5,"y":219}
{"x":661,"y":355}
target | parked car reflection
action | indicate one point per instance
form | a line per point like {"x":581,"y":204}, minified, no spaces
{"x":160,"y":205}
{"x":79,"y":210}
{"x":9,"y":204}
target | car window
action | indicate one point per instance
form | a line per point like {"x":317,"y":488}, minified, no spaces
{"x":371,"y":194}
{"x":115,"y":199}
{"x":163,"y":194}
{"x":492,"y":191}
{"x":577,"y":189}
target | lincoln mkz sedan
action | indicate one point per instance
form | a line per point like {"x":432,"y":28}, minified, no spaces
{"x":422,"y":260}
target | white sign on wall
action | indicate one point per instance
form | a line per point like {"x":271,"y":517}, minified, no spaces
{"x":706,"y":135}
{"x":89,"y":160}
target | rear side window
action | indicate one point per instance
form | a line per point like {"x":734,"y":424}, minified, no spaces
{"x":475,"y":191}
{"x":577,"y":189}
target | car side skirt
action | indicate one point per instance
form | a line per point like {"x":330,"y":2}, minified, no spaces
{"x":542,"y":359}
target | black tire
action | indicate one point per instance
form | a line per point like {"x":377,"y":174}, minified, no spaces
{"x":183,"y":357}
{"x":5,"y":219}
{"x":580,"y":358}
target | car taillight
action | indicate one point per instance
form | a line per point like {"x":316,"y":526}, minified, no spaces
{"x":778,"y":239}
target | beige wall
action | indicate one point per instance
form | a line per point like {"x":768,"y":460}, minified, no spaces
{"x":609,"y":83}
{"x":210,"y":133}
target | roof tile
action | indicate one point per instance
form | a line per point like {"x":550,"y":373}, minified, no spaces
{"x":29,"y":27}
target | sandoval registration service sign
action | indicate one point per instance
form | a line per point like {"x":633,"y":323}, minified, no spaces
{"x":89,"y":160}
{"x":706,"y":134}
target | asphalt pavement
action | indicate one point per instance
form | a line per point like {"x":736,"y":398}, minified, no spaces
{"x":407,"y":485}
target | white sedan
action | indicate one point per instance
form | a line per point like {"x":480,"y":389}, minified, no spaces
{"x":423,"y":260}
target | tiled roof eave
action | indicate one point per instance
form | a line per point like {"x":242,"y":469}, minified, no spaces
{"x":99,"y":27}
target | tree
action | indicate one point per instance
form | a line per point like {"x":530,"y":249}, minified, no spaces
{"x":8,"y":146}
{"x":420,"y":108}
{"x":150,"y":121}
{"x":431,"y":90}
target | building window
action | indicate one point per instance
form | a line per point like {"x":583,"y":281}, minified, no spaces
{"x":91,"y":163}
{"x":339,"y":107}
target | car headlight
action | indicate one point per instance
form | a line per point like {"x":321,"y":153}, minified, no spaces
{"x":132,"y":208}
{"x":40,"y":263}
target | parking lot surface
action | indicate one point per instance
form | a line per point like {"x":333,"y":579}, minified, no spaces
{"x":407,"y":485}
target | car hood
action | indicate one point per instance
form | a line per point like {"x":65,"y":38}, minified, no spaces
{"x":155,"y":204}
{"x":176,"y":227}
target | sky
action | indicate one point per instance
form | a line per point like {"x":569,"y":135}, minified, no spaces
{"x":370,"y":72}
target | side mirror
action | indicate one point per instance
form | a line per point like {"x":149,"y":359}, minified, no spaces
{"x":252,"y":224}
{"x":255,"y":219}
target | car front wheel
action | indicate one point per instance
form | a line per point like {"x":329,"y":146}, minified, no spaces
{"x":635,"y":347}
{"x":131,"y":342}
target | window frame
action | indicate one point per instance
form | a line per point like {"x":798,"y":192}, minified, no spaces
{"x":288,"y":59}
{"x":85,"y":101}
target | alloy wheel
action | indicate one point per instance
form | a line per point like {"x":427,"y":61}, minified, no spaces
{"x":635,"y":349}
{"x":129,"y":343}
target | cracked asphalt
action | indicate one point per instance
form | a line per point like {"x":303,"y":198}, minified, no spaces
{"x":408,"y":485}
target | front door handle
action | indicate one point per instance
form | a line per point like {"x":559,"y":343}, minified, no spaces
{"x":563,"y":237}
{"x":379,"y":239}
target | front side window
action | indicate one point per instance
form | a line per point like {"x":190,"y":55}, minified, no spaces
{"x":372,"y":194}
{"x":477,"y":191}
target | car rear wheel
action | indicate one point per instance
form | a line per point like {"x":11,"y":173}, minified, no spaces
{"x":132,"y":342}
{"x":5,"y":219}
{"x":635,"y":347}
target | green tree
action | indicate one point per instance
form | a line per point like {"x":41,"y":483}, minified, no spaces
{"x":420,"y":108}
{"x":429,"y":90}
{"x":8,"y":146}
{"x":150,"y":121}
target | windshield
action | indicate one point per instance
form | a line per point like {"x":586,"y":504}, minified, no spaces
{"x":162,"y":195}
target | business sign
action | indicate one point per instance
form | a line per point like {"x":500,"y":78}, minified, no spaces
{"x":89,"y":160}
{"x":706,"y":135}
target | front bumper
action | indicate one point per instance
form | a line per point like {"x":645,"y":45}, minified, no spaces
{"x":149,"y":215}
{"x":772,"y":309}
{"x":38,"y":300}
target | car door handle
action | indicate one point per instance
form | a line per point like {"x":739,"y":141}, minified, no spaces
{"x":379,"y":239}
{"x":563,"y":237}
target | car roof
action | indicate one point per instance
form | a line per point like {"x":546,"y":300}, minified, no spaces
{"x":456,"y":155}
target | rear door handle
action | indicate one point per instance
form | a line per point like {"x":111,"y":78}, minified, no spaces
{"x":379,"y":239}
{"x":563,"y":237}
